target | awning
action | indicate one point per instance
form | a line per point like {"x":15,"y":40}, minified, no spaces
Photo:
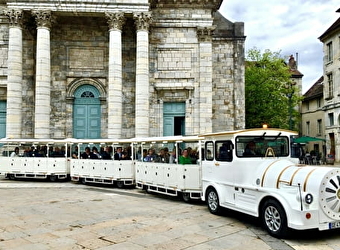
{"x":305,"y":139}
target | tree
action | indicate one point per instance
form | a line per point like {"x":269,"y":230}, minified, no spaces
{"x":270,"y":92}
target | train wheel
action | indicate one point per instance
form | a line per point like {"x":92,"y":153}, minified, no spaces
{"x":120,"y":184}
{"x":213,"y":201}
{"x":53,"y":178}
{"x":186,"y":197}
{"x":274,"y":219}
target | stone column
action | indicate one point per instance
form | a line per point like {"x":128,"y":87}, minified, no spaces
{"x":115,"y":83}
{"x":14,"y":78}
{"x":43,"y":19}
{"x":205,"y":73}
{"x":142,"y":21}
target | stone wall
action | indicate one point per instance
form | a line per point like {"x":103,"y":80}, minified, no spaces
{"x":79,"y":55}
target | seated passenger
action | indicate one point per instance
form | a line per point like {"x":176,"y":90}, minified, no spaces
{"x":185,"y":158}
{"x":119,"y":154}
{"x":15,"y":153}
{"x":106,"y":154}
{"x":250,"y":149}
{"x":163,"y":156}
{"x":75,"y":153}
{"x":88,"y":154}
{"x":151,"y":156}
{"x":96,"y":153}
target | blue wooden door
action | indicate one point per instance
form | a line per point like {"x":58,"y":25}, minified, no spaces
{"x":174,"y":118}
{"x":86,"y":113}
{"x":2,"y":119}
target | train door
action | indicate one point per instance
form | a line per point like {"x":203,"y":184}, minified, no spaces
{"x":86,"y":113}
{"x":2,"y":119}
{"x":174,"y":119}
{"x":217,"y":167}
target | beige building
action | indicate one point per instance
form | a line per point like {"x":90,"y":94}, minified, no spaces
{"x":331,"y":91}
{"x":313,"y":117}
{"x":119,"y":69}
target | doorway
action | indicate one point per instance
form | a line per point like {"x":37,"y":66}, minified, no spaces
{"x":173,"y":118}
{"x":86,"y":113}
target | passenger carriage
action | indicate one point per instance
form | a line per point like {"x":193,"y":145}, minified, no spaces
{"x":164,"y":174}
{"x":120,"y":172}
{"x":34,"y":158}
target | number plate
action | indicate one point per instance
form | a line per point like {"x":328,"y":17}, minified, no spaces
{"x":334,"y":225}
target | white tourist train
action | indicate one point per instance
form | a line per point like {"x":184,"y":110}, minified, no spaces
{"x":254,"y":171}
{"x":34,"y":158}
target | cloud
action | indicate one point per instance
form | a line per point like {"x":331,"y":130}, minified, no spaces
{"x":287,"y":26}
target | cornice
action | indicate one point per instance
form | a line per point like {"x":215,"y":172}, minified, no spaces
{"x":207,"y":4}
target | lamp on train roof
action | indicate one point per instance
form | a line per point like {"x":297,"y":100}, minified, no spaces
{"x":264,"y":126}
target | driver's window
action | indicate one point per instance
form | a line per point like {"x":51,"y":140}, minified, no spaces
{"x":224,"y":151}
{"x":209,"y":151}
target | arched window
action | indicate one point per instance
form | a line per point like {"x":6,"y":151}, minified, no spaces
{"x":87,"y":94}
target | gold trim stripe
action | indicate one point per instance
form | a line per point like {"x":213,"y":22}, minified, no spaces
{"x":265,"y":172}
{"x":306,"y":180}
{"x":279,"y":177}
{"x":292,"y":178}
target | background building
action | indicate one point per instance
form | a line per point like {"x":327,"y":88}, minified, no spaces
{"x":313,"y":117}
{"x":119,"y":69}
{"x":331,"y":91}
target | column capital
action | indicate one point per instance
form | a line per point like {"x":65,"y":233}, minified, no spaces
{"x":115,"y":20}
{"x":15,"y":17}
{"x":204,"y":34}
{"x":43,"y":18}
{"x":143,"y":20}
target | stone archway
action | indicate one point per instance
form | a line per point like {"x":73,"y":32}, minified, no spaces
{"x":86,"y":102}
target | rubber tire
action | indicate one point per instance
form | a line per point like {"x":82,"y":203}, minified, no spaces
{"x":274,"y":219}
{"x":213,"y":201}
{"x":53,"y":178}
{"x":186,"y":197}
{"x":83,"y":181}
{"x":11,"y":177}
{"x":120,"y":184}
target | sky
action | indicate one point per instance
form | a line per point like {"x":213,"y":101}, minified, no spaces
{"x":288,"y":27}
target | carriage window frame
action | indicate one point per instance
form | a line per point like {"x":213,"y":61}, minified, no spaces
{"x":224,"y":150}
{"x":209,"y":147}
{"x":262,"y":144}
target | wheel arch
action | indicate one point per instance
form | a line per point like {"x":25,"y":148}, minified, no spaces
{"x":283,"y":203}
{"x":211,"y":186}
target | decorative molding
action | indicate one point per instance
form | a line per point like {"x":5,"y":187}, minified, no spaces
{"x":213,"y":4}
{"x":75,"y":83}
{"x":43,"y":18}
{"x":115,"y":20}
{"x":205,"y":34}
{"x":15,"y":17}
{"x":143,"y":20}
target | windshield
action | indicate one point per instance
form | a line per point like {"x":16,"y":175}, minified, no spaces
{"x":262,"y":146}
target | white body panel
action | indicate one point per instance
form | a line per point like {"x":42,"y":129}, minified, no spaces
{"x":102,"y":171}
{"x":35,"y":167}
{"x":171,"y":178}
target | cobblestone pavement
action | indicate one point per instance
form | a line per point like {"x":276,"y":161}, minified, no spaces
{"x":64,"y":215}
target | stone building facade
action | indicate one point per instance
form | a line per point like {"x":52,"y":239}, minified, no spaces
{"x":313,"y":117}
{"x":119,"y":69}
{"x":331,"y":90}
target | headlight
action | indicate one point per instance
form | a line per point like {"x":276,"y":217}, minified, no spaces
{"x":309,"y":198}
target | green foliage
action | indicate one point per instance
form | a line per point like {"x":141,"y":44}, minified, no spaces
{"x":268,"y":86}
